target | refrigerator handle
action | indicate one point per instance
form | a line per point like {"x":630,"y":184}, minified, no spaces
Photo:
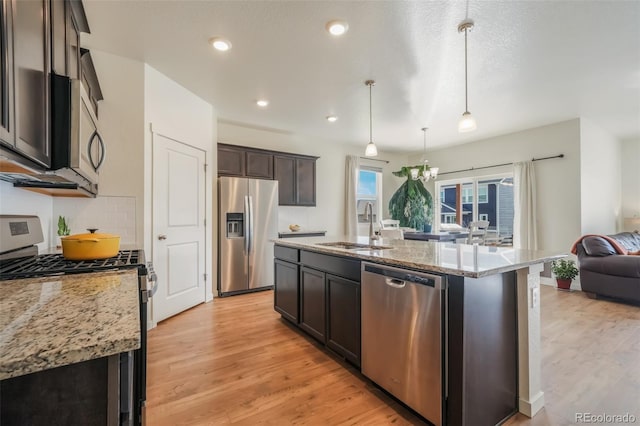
{"x":247,"y":226}
{"x":250,"y":224}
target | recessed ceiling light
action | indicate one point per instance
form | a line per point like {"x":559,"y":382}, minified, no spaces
{"x":262,"y":103}
{"x":332,"y":118}
{"x":337,"y":28}
{"x":219,"y":43}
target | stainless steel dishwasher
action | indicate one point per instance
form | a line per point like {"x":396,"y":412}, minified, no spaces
{"x":402,"y":336}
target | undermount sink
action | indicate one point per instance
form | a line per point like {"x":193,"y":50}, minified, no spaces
{"x":354,"y":246}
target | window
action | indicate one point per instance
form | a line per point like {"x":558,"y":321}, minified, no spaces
{"x":467,"y":195}
{"x":483,"y":198}
{"x":483,"y":194}
{"x":369,"y":191}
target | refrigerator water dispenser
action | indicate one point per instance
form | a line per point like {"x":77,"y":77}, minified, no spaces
{"x":235,"y":225}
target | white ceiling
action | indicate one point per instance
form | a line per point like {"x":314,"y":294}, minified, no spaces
{"x":530,"y":63}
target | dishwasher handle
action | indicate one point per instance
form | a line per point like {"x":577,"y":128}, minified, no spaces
{"x":395,"y":283}
{"x":398,"y":278}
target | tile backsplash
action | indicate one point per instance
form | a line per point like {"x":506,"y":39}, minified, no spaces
{"x":112,"y":215}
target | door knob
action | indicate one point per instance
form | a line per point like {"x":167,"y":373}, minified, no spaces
{"x":162,"y":237}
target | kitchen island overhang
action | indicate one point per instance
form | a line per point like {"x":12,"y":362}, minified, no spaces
{"x":472,"y":266}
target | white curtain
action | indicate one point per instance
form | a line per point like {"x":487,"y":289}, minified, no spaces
{"x":350,"y":194}
{"x":525,"y":234}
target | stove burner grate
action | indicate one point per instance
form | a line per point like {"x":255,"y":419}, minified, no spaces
{"x":56,"y":264}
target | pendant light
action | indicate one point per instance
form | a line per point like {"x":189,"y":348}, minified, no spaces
{"x":467,"y":122}
{"x":371,"y":150}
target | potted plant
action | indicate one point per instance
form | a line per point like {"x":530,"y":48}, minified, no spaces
{"x":565,"y":271}
{"x":412,"y":203}
{"x":63,"y":230}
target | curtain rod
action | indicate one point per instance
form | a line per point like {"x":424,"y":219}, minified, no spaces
{"x":374,"y":159}
{"x":500,"y":165}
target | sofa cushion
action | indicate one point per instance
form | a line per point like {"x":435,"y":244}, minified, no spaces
{"x":619,"y":265}
{"x":597,"y":246}
{"x":628,"y":240}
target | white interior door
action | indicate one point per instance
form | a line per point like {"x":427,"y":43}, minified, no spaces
{"x":178,"y":226}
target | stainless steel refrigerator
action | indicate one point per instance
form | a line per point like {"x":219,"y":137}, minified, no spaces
{"x":248,"y":215}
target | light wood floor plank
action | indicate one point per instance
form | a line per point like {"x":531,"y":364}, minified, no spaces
{"x":234,"y":361}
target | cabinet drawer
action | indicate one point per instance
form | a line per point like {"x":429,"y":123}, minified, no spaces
{"x":286,"y":253}
{"x":334,"y":265}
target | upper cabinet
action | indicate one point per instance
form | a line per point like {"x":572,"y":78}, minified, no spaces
{"x":296,"y":174}
{"x":25,"y":79}
{"x":297,"y":180}
{"x":49,"y":95}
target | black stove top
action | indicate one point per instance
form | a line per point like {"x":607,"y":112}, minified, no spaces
{"x":54,"y":264}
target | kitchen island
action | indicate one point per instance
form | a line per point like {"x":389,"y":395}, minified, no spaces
{"x":491,"y":327}
{"x":64,"y":340}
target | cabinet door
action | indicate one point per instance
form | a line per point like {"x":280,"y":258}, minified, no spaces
{"x":6,"y":75}
{"x":231,"y":161}
{"x":305,"y":182}
{"x":343,"y":310}
{"x":31,"y":74}
{"x":286,"y":292}
{"x":285,"y":174}
{"x":259,"y":165}
{"x":312,"y":303}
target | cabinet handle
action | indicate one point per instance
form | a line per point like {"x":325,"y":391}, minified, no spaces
{"x":102,"y":150}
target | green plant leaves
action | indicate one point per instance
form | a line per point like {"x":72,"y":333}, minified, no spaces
{"x":412,"y":203}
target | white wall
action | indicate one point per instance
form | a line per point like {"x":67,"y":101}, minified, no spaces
{"x":118,"y":209}
{"x":630,"y":167}
{"x":558,"y":180}
{"x":23,"y":202}
{"x":174,"y":112}
{"x":330,"y":173}
{"x":600,"y":180}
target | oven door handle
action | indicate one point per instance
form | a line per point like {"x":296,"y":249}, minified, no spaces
{"x":152,"y":287}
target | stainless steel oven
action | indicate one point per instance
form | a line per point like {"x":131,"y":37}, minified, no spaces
{"x":19,"y":258}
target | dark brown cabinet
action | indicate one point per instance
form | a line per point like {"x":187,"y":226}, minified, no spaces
{"x":7,"y":133}
{"x":286,"y":289}
{"x":312,"y":303}
{"x":259,"y":165}
{"x":231,"y":161}
{"x":296,"y":174}
{"x":305,"y":182}
{"x":343,"y":325}
{"x":245,"y":162}
{"x":285,"y":174}
{"x":26,"y":74}
{"x":328,"y":291}
{"x":297,"y":180}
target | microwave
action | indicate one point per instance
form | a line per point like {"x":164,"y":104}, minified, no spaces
{"x":77,"y":148}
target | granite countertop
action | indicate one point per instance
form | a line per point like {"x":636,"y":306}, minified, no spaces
{"x":301,"y":232}
{"x":449,"y":258}
{"x":55,"y":321}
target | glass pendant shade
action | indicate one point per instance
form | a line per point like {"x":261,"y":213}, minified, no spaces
{"x":414,"y":174}
{"x":467,"y":123}
{"x":371,"y":150}
{"x":434,"y":172}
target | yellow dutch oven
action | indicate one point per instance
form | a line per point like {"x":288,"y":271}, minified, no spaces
{"x":90,"y":246}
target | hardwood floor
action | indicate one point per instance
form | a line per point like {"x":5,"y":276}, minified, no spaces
{"x":234,"y":361}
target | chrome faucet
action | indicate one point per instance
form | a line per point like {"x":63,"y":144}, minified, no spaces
{"x":372,"y":236}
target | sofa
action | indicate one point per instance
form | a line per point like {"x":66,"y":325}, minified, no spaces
{"x":610,"y":265}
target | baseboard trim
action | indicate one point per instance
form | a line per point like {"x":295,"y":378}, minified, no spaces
{"x":530,"y":408}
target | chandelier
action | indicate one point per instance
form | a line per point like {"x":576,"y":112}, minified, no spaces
{"x":424,"y":172}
